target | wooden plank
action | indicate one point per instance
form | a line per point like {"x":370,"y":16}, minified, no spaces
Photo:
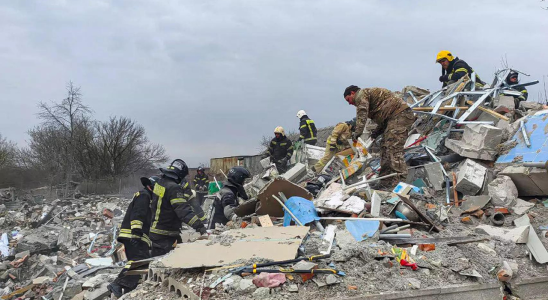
{"x":424,"y":217}
{"x":265,"y":221}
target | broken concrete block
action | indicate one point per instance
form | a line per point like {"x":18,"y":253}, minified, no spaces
{"x":97,"y":293}
{"x":414,"y":283}
{"x":470,"y":177}
{"x":485,"y":248}
{"x":304,"y":265}
{"x":522,"y":206}
{"x":536,"y":247}
{"x":528,"y":181}
{"x":296,"y":173}
{"x":478,"y":141}
{"x":246,"y":284}
{"x":517,"y":235}
{"x":475,"y":201}
{"x":331,"y":279}
{"x":505,"y":101}
{"x":375,"y":204}
{"x":529,"y":105}
{"x":261,"y":293}
{"x":434,"y":175}
{"x":503,"y":191}
{"x":293,"y":288}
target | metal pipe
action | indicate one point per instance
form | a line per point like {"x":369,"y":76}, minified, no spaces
{"x":520,"y":85}
{"x":476,"y":122}
{"x":394,"y":230}
{"x":389,"y":228}
{"x":412,"y":96}
{"x":394,"y":236}
{"x":436,"y":115}
{"x":473,"y":87}
{"x":524,"y":132}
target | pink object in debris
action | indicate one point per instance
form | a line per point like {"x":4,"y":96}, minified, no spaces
{"x":269,"y":280}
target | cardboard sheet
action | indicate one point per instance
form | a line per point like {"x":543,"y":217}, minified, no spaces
{"x":275,"y":243}
{"x":269,"y":205}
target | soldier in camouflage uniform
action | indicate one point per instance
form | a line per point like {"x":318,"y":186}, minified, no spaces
{"x":337,"y":142}
{"x":393,"y":117}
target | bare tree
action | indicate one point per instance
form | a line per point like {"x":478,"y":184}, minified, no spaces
{"x":8,"y":153}
{"x":124,"y":148}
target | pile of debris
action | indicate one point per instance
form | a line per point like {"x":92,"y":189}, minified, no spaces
{"x":64,"y":249}
{"x":469,"y":220}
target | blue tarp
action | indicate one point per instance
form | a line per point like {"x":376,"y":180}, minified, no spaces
{"x":537,"y":130}
{"x":302,"y":208}
{"x":362,"y":229}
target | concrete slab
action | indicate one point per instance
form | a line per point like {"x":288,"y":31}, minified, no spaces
{"x":478,"y":141}
{"x":536,"y":247}
{"x":517,"y":235}
{"x":479,"y":201}
{"x":470,"y":177}
{"x":522,"y":206}
{"x":297,"y":172}
{"x":524,"y":183}
{"x":463,"y":149}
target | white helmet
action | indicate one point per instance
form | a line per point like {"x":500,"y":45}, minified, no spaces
{"x":301,"y":113}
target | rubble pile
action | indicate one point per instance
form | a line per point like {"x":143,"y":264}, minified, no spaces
{"x":471,"y":212}
{"x":63,"y":249}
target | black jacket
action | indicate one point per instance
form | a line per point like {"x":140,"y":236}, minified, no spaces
{"x":308,"y":130}
{"x":456,"y":70}
{"x":229,"y":197}
{"x":170,"y":208}
{"x":280,"y":148}
{"x":200,"y":180}
{"x":136,"y":223}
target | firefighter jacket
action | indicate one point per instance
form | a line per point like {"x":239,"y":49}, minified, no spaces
{"x":136,"y":223}
{"x":228,"y":197}
{"x":377,"y":104}
{"x":170,"y":208}
{"x":280,"y":149}
{"x":456,"y":70}
{"x":339,"y":137}
{"x":308,"y":130}
{"x":201,"y":181}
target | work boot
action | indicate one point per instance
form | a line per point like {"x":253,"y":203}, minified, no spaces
{"x":115,"y":289}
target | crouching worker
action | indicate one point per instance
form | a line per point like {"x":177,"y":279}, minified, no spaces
{"x":336,"y":142}
{"x":232,"y":189}
{"x":134,"y":235}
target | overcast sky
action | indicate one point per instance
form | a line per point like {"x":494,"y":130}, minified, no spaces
{"x":210,"y":78}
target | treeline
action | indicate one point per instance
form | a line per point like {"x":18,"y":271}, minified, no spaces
{"x":70,"y":145}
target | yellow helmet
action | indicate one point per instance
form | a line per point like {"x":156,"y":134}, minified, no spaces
{"x":280,"y":130}
{"x":444,"y":54}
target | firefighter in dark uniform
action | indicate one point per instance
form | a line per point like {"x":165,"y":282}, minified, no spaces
{"x":512,"y":79}
{"x":170,"y":208}
{"x":201,"y":182}
{"x":307,"y":128}
{"x":134,"y":235}
{"x":453,"y":69}
{"x":228,"y":202}
{"x":280,"y":150}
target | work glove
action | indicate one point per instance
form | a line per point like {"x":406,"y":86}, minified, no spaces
{"x":202,"y":230}
{"x":332,"y":147}
{"x":444,"y":78}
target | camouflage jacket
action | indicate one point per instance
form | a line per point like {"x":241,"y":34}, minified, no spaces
{"x":377,"y":104}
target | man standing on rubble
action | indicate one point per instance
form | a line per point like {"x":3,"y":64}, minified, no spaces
{"x":512,"y":79}
{"x":280,"y":150}
{"x":134,"y":235}
{"x":201,"y":180}
{"x":453,"y":69}
{"x":394,"y":118}
{"x":170,"y":207}
{"x":336,"y":142}
{"x":307,"y":129}
{"x":233,"y":188}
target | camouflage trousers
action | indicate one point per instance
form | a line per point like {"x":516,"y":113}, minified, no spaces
{"x":329,"y":153}
{"x":394,"y":138}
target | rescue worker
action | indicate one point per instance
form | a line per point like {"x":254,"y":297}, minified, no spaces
{"x":134,"y":235}
{"x":453,"y":69}
{"x":233,"y":188}
{"x":201,"y":180}
{"x":280,"y":150}
{"x":307,"y":128}
{"x":512,"y":79}
{"x":195,"y":203}
{"x":170,"y":208}
{"x":336,"y":142}
{"x":393,"y":117}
